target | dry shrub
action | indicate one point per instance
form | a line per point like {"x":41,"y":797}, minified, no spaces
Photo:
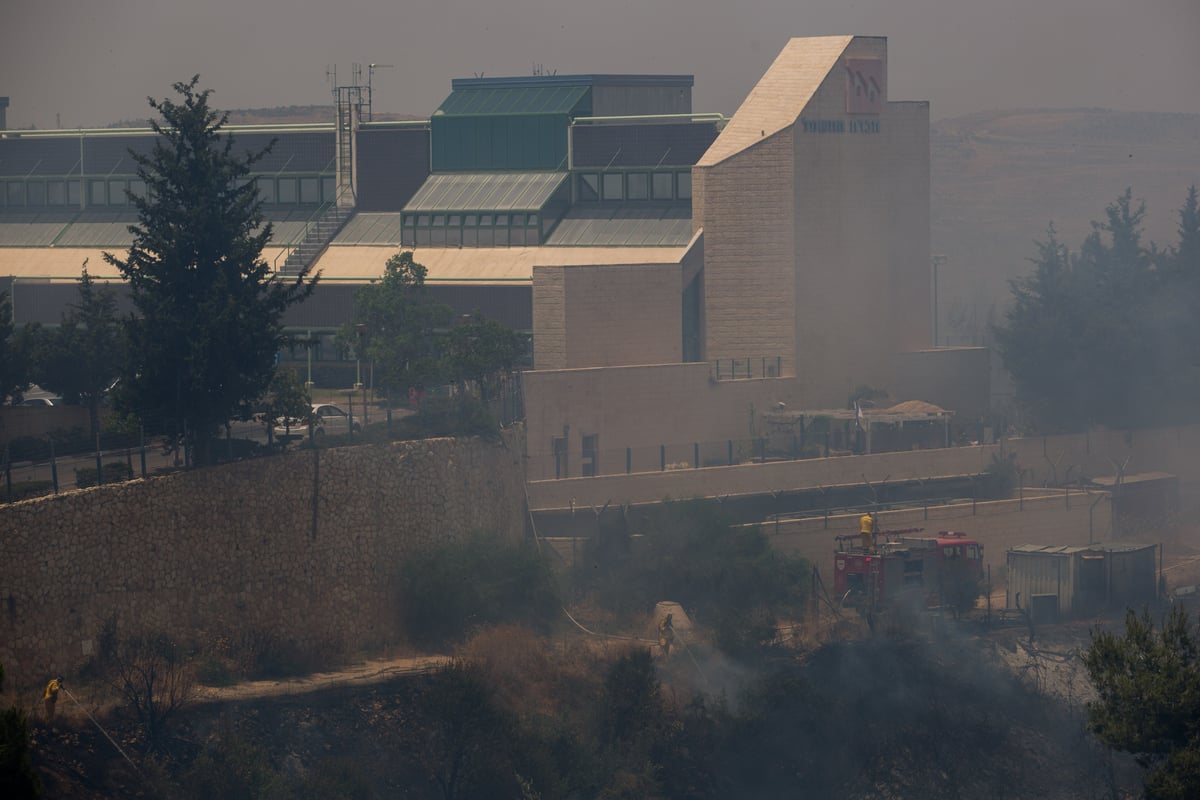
{"x":529,"y":673}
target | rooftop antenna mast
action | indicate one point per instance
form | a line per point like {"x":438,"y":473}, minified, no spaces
{"x":370,"y":94}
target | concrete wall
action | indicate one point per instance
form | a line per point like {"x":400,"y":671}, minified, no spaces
{"x":746,"y":205}
{"x":998,"y":525}
{"x":955,"y":378}
{"x":244,"y":547}
{"x":641,"y":407}
{"x":610,"y":315}
{"x":773,"y":476}
{"x":1050,"y":460}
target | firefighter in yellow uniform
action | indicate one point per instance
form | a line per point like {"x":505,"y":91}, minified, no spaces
{"x":866,"y":529}
{"x":51,"y":697}
{"x":666,"y":634}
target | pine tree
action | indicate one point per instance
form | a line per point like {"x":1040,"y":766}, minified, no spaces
{"x":16,"y":352}
{"x":209,"y":311}
{"x":84,"y":355}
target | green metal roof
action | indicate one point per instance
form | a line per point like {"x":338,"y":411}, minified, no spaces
{"x":486,"y":191}
{"x":525,"y":100}
{"x":626,"y":225}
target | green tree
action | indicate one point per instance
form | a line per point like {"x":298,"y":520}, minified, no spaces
{"x":17,"y":777}
{"x":398,"y":327}
{"x":480,"y":351}
{"x":209,"y":310}
{"x":1147,"y":703}
{"x":1107,"y":335}
{"x":83,"y":356}
{"x":287,"y":400}
{"x":16,"y":352}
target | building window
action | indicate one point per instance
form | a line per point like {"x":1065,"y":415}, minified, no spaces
{"x":36,"y":192}
{"x":532,"y":221}
{"x":470,"y":237}
{"x":471,"y":221}
{"x":501,"y":234}
{"x":97,"y":193}
{"x":116,"y":193}
{"x":590,"y":463}
{"x":613,"y":189}
{"x":56,"y":193}
{"x":137,"y":187}
{"x":328,"y":189}
{"x":685,"y":185}
{"x":487,"y":237}
{"x":663,"y":187}
{"x":589,"y":186}
{"x":287,"y":191}
{"x":485,"y":220}
{"x":638,"y":186}
{"x":310,"y":190}
{"x":439,"y":220}
{"x":558,"y":445}
{"x":73,"y":193}
{"x":266,"y":189}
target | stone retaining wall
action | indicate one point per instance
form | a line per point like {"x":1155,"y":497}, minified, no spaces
{"x":308,"y":547}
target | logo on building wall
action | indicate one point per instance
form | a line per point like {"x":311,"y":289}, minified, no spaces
{"x":864,"y":85}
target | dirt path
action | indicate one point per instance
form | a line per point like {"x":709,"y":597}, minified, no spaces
{"x":364,"y":673}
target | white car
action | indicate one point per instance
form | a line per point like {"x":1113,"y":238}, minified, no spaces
{"x":326,"y":418}
{"x":42,"y":402}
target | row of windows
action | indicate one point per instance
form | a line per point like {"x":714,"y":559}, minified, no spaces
{"x":111,"y":192}
{"x":621,"y":186}
{"x":472,"y":229}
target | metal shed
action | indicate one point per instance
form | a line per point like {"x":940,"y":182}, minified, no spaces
{"x":1054,"y":581}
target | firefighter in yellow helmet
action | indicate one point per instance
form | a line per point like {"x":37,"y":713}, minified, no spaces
{"x":866,"y":529}
{"x":51,"y":696}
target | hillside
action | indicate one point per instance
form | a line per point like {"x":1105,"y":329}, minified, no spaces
{"x":999,"y":178}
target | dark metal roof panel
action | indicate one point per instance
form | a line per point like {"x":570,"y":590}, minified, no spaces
{"x":626,"y":225}
{"x":370,"y":229}
{"x":496,"y":191}
{"x":522,"y":100}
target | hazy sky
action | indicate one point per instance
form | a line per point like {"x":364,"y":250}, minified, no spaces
{"x":93,"y":62}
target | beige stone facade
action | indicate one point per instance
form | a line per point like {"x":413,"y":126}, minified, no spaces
{"x":811,"y":212}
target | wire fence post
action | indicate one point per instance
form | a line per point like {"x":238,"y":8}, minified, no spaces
{"x":731,"y":452}
{"x":99,"y":464}
{"x":53,"y":467}
{"x":695,"y":455}
{"x":142,"y":446}
{"x":662,"y":457}
{"x":628,"y":460}
{"x":7,"y":473}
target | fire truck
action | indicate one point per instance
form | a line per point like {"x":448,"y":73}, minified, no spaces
{"x":879,"y":569}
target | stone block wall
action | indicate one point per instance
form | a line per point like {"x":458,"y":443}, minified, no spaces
{"x":308,"y":547}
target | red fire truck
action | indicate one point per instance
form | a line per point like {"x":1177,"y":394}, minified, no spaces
{"x":873,"y":570}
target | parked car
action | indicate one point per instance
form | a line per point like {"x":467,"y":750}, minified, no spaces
{"x":42,"y":402}
{"x":326,"y":418}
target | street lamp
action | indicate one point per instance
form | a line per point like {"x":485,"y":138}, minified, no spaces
{"x":359,"y":330}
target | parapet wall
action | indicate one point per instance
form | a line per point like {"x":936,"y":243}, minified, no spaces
{"x":306,"y":546}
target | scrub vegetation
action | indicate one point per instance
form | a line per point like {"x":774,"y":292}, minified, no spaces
{"x":1108,"y":334}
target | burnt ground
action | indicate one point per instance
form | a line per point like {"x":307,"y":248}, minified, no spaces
{"x":936,"y":711}
{"x":915,"y":716}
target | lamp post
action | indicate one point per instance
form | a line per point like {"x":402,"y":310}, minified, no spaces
{"x":359,"y":330}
